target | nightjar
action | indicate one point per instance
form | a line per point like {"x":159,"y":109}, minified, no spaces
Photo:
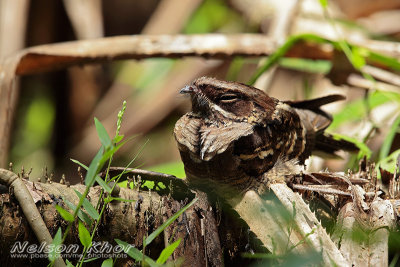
{"x":236,"y":134}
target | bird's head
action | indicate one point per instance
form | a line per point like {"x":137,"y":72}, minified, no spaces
{"x":224,"y":100}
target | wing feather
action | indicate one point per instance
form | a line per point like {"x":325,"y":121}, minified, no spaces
{"x":216,"y":140}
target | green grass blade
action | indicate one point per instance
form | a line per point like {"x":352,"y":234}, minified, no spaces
{"x":84,"y":235}
{"x":80,"y":164}
{"x":323,"y":3}
{"x":98,"y":179}
{"x":364,"y":149}
{"x":167,"y":252}
{"x":93,"y":168}
{"x":389,"y":163}
{"x":88,"y":207}
{"x":135,"y":254}
{"x":81,"y":215}
{"x":55,"y":252}
{"x":103,"y":184}
{"x":107,"y":263}
{"x":109,"y":199}
{"x":385,"y":148}
{"x":355,"y":111}
{"x":102,"y":133}
{"x":65,"y":214}
{"x":170,"y":220}
{"x":281,"y":51}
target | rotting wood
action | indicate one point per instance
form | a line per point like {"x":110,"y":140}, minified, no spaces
{"x":291,"y":225}
{"x":308,"y":226}
{"x":126,"y":221}
{"x":363,"y":240}
{"x":29,"y":209}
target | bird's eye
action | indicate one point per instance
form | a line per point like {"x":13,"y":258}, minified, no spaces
{"x":228,"y":98}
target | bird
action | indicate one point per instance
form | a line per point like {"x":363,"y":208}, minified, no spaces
{"x":237,"y":138}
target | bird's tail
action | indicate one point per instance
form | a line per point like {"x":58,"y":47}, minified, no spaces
{"x":328,"y":144}
{"x":316,"y":121}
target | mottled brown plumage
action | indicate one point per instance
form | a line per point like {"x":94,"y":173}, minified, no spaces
{"x":236,"y":133}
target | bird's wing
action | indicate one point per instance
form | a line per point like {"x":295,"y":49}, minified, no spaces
{"x":216,"y":140}
{"x":311,"y":114}
{"x":187,"y":133}
{"x":316,"y":120}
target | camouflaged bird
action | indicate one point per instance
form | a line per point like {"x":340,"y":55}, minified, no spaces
{"x":236,"y":134}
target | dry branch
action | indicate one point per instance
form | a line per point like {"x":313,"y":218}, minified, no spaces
{"x":29,"y":209}
{"x":57,"y":56}
{"x":51,"y":57}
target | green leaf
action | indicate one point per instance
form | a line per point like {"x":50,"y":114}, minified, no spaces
{"x":235,"y":68}
{"x":170,"y":220}
{"x":80,"y":164}
{"x":54,"y":251}
{"x":118,"y":138}
{"x":281,"y":51}
{"x":88,"y":207}
{"x":90,"y":259}
{"x":390,"y":62}
{"x":84,"y":235}
{"x":364,"y":149}
{"x":98,"y":179}
{"x":323,"y":3}
{"x":306,"y":65}
{"x":98,"y":162}
{"x":94,"y":167}
{"x":135,"y":254}
{"x":69,"y":264}
{"x":389,"y":163}
{"x":110,"y":152}
{"x":212,"y":16}
{"x":82,"y":215}
{"x":167,"y":252}
{"x":109,"y":199}
{"x":387,"y":143}
{"x":103,"y":184}
{"x":357,"y":110}
{"x":102,"y":133}
{"x":107,"y":263}
{"x":357,"y":59}
{"x":65,"y":214}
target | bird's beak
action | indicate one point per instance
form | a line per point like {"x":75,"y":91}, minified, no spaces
{"x":188,"y":89}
